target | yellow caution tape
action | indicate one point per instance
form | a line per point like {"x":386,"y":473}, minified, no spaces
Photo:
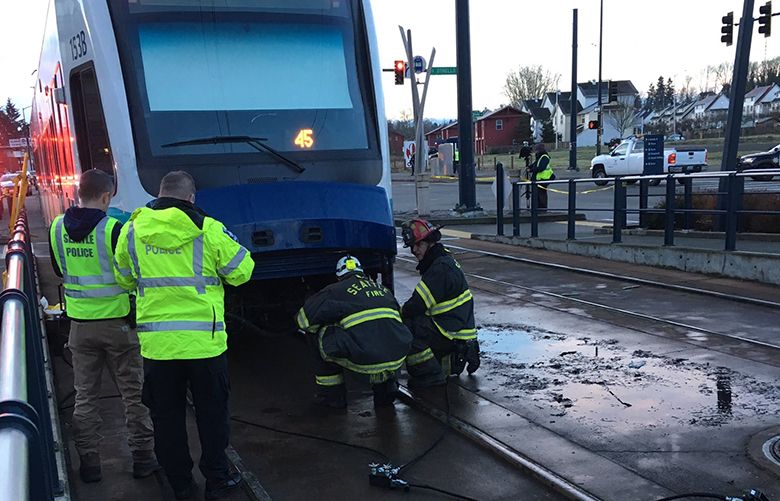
{"x":455,"y":178}
{"x":585,"y":192}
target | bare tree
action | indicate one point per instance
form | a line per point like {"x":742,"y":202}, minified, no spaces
{"x":622,"y":117}
{"x":529,"y":82}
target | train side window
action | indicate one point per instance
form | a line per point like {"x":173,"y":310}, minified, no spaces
{"x":91,"y":134}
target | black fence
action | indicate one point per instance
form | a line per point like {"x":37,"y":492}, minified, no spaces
{"x":727,"y":216}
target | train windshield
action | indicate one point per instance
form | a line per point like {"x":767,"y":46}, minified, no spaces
{"x":293,"y":72}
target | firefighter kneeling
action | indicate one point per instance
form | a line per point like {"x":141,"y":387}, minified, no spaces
{"x":440,"y":312}
{"x":358,"y":327}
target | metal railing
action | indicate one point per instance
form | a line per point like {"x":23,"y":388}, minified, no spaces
{"x":726,"y":216}
{"x":28,"y":468}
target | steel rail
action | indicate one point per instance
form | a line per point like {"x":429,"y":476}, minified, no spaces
{"x":625,"y":278}
{"x":14,"y":443}
{"x":615,"y":310}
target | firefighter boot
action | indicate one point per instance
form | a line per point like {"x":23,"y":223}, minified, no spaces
{"x":472,"y":356}
{"x":385,"y":393}
{"x":89,"y":469}
{"x":333,"y":397}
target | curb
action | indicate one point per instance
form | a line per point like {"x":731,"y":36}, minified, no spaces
{"x":487,"y":219}
{"x":719,"y":235}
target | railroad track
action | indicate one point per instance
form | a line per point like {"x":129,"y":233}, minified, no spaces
{"x":606,"y":276}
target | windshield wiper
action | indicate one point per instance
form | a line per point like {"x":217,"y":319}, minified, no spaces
{"x":257,"y":143}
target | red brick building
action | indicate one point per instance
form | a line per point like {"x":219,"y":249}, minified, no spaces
{"x":501,"y":129}
{"x":396,"y":140}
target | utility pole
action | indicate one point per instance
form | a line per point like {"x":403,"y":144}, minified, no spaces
{"x":466,"y":174}
{"x":421,"y":179}
{"x":573,"y":99}
{"x":600,"y":129}
{"x":555,"y":116}
{"x":738,"y":84}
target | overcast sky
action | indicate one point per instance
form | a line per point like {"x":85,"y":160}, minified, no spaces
{"x":642,"y":40}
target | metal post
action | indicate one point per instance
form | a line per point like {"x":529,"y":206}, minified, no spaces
{"x":618,"y":210}
{"x":515,"y":210}
{"x":738,"y":84}
{"x":643,"y":192}
{"x":600,"y":130}
{"x":573,"y":99}
{"x":534,"y":207}
{"x":732,"y":203}
{"x":500,"y":199}
{"x":572,"y":211}
{"x":466,"y":175}
{"x":688,"y":203}
{"x":669,"y":214}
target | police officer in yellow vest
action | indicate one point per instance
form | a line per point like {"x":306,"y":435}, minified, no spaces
{"x":177,"y":259}
{"x":358,"y":326}
{"x":542,"y":171}
{"x":82,"y":243}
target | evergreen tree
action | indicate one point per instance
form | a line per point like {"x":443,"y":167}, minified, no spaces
{"x":669,"y":92}
{"x":548,"y":133}
{"x":659,"y":99}
{"x":12,"y":113}
{"x":650,"y":101}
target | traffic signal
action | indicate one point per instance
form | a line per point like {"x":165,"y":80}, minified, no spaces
{"x":593,"y":124}
{"x":727,"y":29}
{"x":612,"y":92}
{"x":399,"y":68}
{"x":765,"y":19}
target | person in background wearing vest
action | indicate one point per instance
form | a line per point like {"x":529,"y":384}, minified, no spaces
{"x":358,"y":327}
{"x":440,"y":312}
{"x":177,"y":259}
{"x":542,"y":171}
{"x":82,"y":243}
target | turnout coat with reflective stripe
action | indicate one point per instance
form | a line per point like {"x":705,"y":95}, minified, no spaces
{"x":177,"y":269}
{"x":91,"y":292}
{"x":443,"y":294}
{"x":359,"y":325}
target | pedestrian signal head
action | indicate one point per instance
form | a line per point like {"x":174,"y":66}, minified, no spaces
{"x":417,"y":230}
{"x":593,"y":124}
{"x":348,"y":264}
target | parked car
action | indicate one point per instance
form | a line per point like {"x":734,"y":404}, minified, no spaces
{"x":765,"y":160}
{"x":673,"y":138}
{"x":7,"y":184}
{"x":628,"y":159}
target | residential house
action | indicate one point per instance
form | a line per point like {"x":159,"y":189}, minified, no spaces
{"x":758,"y":102}
{"x":442,"y":134}
{"x":539,"y":116}
{"x":396,"y":140}
{"x":500,"y":129}
{"x":711,"y":110}
{"x":588,"y":92}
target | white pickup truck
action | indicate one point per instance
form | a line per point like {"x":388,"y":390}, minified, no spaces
{"x":627,"y":159}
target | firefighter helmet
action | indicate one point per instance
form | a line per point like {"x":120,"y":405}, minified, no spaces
{"x":348,"y":264}
{"x":417,"y":230}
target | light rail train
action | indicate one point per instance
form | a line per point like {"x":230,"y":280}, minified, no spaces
{"x":274,"y":106}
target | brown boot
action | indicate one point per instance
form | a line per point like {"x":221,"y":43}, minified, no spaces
{"x":89,"y":470}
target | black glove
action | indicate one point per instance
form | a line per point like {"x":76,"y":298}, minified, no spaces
{"x":131,"y":319}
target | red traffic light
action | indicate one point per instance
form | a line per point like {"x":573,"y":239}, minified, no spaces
{"x":399,"y":66}
{"x":593,"y":124}
{"x":399,"y":69}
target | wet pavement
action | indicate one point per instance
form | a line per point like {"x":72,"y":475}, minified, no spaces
{"x":678,"y":414}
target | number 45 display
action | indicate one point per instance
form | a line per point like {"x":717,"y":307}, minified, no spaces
{"x":305,"y":138}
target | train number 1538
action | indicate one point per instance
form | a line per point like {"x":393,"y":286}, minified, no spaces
{"x":78,"y":45}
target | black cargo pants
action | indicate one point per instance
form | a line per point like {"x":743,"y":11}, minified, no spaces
{"x":165,"y":393}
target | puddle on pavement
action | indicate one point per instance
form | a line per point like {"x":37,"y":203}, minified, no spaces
{"x":562,"y":375}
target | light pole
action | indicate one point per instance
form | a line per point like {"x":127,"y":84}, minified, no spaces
{"x":600,"y":129}
{"x":555,"y":119}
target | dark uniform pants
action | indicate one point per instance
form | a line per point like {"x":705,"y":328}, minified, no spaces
{"x":329,"y":376}
{"x":430,"y":352}
{"x":165,"y":393}
{"x":542,"y":195}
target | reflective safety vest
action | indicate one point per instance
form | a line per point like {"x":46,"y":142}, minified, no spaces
{"x":91,"y":292}
{"x":457,"y":156}
{"x":367,"y":334}
{"x":178,"y":269}
{"x":547,"y":173}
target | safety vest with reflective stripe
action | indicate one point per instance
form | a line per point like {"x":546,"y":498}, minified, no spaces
{"x":547,"y":173}
{"x":178,"y":269}
{"x":91,"y":291}
{"x":358,"y":325}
